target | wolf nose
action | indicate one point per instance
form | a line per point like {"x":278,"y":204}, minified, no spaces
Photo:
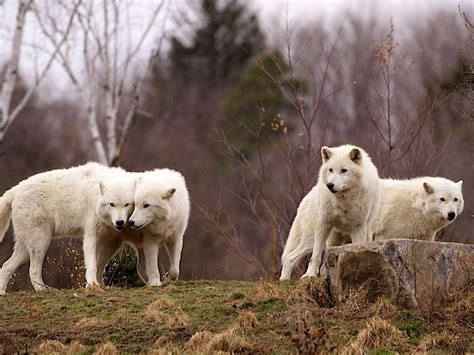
{"x":451,"y":216}
{"x":132,"y":223}
{"x":119,"y":222}
{"x":330,"y":186}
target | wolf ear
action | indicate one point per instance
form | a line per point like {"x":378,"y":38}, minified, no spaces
{"x":355,"y":155}
{"x":325,"y":153}
{"x":459,"y":183}
{"x":429,"y":190}
{"x":138,"y":181}
{"x":170,"y":192}
{"x":102,"y":188}
{"x":134,"y":184}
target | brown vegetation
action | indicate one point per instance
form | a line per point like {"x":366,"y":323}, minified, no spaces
{"x":228,"y":316}
{"x":164,"y":311}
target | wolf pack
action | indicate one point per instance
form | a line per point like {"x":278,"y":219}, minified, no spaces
{"x":107,"y":207}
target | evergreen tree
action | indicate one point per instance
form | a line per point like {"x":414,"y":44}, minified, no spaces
{"x":228,"y":37}
{"x":257,"y":102}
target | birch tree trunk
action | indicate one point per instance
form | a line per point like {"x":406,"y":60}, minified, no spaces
{"x":106,"y":72}
{"x":7,"y":113}
{"x":11,"y":72}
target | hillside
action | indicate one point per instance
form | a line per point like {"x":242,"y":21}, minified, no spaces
{"x":207,"y":316}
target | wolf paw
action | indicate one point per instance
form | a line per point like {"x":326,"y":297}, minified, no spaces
{"x":92,"y":284}
{"x":154,"y":283}
{"x":173,"y":274}
{"x":39,"y":287}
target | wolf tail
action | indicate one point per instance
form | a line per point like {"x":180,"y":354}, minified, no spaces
{"x":6,"y":211}
{"x":293,"y":240}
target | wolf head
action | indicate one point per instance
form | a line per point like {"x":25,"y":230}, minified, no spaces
{"x":115,"y":204}
{"x":152,"y":202}
{"x":342,"y":167}
{"x":443,"y":200}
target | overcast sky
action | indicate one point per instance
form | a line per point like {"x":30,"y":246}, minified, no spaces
{"x":271,"y":12}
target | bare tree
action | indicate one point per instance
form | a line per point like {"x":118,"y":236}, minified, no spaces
{"x":8,"y":113}
{"x":465,"y":107}
{"x":401,"y":130}
{"x":286,"y":160}
{"x":108,"y":55}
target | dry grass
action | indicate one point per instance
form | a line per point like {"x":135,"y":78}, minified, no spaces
{"x":246,"y":322}
{"x":435,"y":340}
{"x":107,"y":348}
{"x":267,"y":289}
{"x":319,"y":291}
{"x":208,"y":343}
{"x":230,"y":341}
{"x":383,"y":307}
{"x":354,"y":302}
{"x":296,"y":293}
{"x":199,"y":340}
{"x":169,"y":349}
{"x":378,"y":333}
{"x":87,"y":323}
{"x":461,"y":308}
{"x":94,"y":288}
{"x":165,"y":312}
{"x":56,"y":347}
{"x":306,"y":336}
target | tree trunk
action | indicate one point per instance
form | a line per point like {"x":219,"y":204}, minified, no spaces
{"x":95,"y":135}
{"x":11,"y":72}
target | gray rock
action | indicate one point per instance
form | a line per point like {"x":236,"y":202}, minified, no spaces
{"x":414,"y":273}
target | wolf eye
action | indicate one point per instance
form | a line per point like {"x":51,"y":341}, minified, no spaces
{"x":111,"y":204}
{"x":442,"y":199}
{"x":343,"y":171}
{"x":127,"y":204}
{"x":330,"y":170}
{"x":455,"y":199}
{"x":146,"y":205}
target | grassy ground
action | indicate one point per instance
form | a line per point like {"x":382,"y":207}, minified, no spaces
{"x":208,"y":316}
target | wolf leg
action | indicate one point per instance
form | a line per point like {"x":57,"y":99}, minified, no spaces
{"x":174,"y":249}
{"x":19,"y":257}
{"x":320,"y":238}
{"x":294,"y":257}
{"x":151,"y":249}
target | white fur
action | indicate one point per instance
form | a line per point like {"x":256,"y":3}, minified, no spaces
{"x":161,"y":213}
{"x":62,"y":202}
{"x":350,"y":210}
{"x":409,"y":210}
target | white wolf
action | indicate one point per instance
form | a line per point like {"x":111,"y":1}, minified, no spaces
{"x":116,"y":197}
{"x":161,"y":214}
{"x":345,"y":199}
{"x":63,"y":202}
{"x":417,"y":208}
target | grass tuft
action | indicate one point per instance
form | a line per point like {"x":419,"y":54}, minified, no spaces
{"x":208,"y":343}
{"x":169,"y":349}
{"x":87,"y":323}
{"x":378,"y":333}
{"x":94,"y":288}
{"x":107,"y":348}
{"x":319,"y":291}
{"x":56,"y":347}
{"x":435,"y":341}
{"x":165,"y":312}
{"x":246,"y":322}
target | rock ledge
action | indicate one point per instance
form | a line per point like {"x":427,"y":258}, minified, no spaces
{"x":414,"y":273}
